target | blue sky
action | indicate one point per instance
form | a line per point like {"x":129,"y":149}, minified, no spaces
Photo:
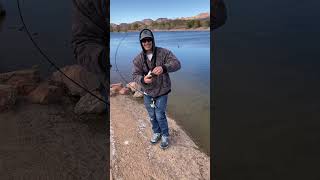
{"x":127,"y":11}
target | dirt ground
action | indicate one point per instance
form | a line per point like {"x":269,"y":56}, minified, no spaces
{"x":50,"y":142}
{"x":44,"y":142}
{"x":133,"y":157}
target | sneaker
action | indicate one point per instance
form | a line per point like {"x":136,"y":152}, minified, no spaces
{"x":155,"y":138}
{"x":164,"y":142}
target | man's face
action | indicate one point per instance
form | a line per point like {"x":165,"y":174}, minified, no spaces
{"x":147,"y":44}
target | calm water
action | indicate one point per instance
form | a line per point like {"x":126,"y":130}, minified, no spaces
{"x":51,"y":20}
{"x":189,"y":102}
{"x":266,"y":123}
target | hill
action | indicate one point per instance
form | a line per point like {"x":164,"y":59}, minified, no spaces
{"x":200,"y":21}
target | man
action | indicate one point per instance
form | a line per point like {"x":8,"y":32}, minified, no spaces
{"x":151,"y":70}
{"x":90,"y":40}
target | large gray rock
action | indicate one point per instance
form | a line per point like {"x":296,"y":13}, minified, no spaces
{"x":115,"y":88}
{"x":46,"y":94}
{"x":134,"y":86}
{"x":76,"y":72}
{"x":138,"y":94}
{"x":8,"y":96}
{"x":24,"y":81}
{"x":88,"y":104}
{"x":124,"y":91}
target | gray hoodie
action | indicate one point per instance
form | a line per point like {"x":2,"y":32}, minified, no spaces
{"x":90,"y":37}
{"x":161,"y":84}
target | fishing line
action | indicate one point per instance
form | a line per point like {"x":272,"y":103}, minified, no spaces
{"x":117,"y":70}
{"x":50,"y":61}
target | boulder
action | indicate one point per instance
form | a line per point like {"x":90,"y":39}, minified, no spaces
{"x":46,"y":94}
{"x":115,"y":88}
{"x":134,"y":86}
{"x":116,"y":84}
{"x":8,"y":96}
{"x":76,"y":72}
{"x":112,"y":93}
{"x":138,"y":94}
{"x":124,"y":91}
{"x":88,"y":104}
{"x":24,"y":81}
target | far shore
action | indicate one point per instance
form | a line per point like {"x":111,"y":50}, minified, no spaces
{"x":169,"y":30}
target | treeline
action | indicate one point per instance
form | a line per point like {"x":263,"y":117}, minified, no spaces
{"x":162,"y":25}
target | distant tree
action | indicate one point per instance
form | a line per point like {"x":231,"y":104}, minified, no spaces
{"x":205,"y":23}
{"x":135,"y":26}
{"x":167,"y":25}
{"x":190,"y":24}
{"x":154,"y":25}
{"x":172,"y":24}
{"x":162,"y":25}
{"x":196,"y":24}
{"x":116,"y":29}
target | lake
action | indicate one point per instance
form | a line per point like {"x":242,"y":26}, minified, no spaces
{"x":189,"y":101}
{"x":51,"y":29}
{"x":266,"y":119}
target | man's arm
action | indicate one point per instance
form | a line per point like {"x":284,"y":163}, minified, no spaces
{"x":90,"y":35}
{"x":172,"y":63}
{"x":137,"y":73}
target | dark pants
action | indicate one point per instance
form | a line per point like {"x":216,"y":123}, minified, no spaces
{"x":157,"y":114}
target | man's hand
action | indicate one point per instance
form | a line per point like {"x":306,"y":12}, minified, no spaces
{"x":147,"y":79}
{"x":157,"y":70}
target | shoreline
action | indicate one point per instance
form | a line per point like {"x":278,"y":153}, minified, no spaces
{"x":35,"y":124}
{"x":131,"y":150}
{"x":166,"y":30}
{"x":173,"y":118}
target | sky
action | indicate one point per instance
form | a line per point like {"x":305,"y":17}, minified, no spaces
{"x":127,"y":11}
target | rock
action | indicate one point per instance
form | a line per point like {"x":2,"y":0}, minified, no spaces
{"x":24,"y":80}
{"x":115,"y":88}
{"x":88,"y":104}
{"x":46,"y":94}
{"x":112,"y":93}
{"x":134,"y":86}
{"x":138,"y":94}
{"x":85,"y":78}
{"x":124,"y":91}
{"x":8,"y":96}
{"x":116,"y":84}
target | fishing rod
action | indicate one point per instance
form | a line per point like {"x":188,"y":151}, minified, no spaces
{"x":116,"y":66}
{"x":50,"y":61}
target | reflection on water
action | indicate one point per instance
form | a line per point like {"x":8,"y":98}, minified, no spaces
{"x":189,"y":101}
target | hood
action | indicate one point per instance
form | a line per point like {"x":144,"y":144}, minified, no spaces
{"x":147,"y":33}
